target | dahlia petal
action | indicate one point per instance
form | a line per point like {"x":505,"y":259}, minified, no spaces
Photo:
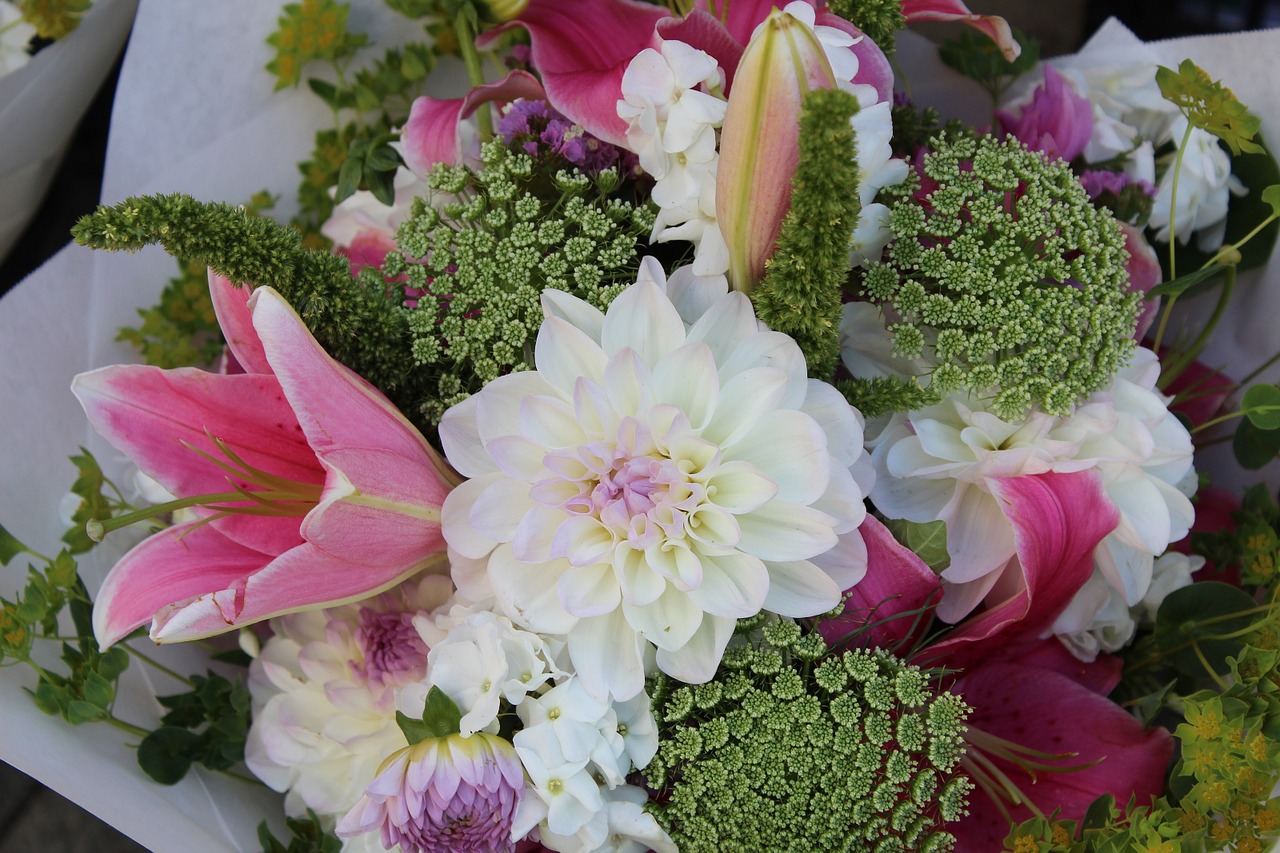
{"x":979,"y":538}
{"x":668,"y":622}
{"x":230,"y":305}
{"x":643,"y":320}
{"x":727,"y":321}
{"x":606,"y":656}
{"x":686,"y":378}
{"x":769,"y":349}
{"x":696,"y":661}
{"x":582,"y":50}
{"x":498,"y":510}
{"x":740,"y":487}
{"x":517,"y":456}
{"x":527,"y":592}
{"x":843,"y":500}
{"x":564,"y":353}
{"x":460,"y":437}
{"x":841,"y":422}
{"x":734,"y":586}
{"x":456,"y":512}
{"x":791,"y":449}
{"x":785,"y":531}
{"x":742,"y":401}
{"x":430,"y":135}
{"x":799,"y":588}
{"x":640,"y":585}
{"x":497,"y":410}
{"x":575,"y":311}
{"x":588,"y":591}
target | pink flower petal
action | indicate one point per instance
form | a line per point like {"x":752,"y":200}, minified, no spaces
{"x":1058,"y":521}
{"x":993,"y":26}
{"x":581,"y":49}
{"x":430,"y":136}
{"x":897,"y":582}
{"x":230,"y":305}
{"x":180,"y":563}
{"x":1048,"y":711}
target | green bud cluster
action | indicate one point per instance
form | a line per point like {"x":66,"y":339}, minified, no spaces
{"x":1006,"y":278}
{"x":483,"y":259}
{"x":792,"y":748}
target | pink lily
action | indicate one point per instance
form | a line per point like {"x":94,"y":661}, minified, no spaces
{"x":995,"y":27}
{"x":759,"y":143}
{"x":296,"y":434}
{"x":1031,"y":698}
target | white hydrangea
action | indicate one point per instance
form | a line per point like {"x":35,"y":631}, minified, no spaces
{"x":324,"y":690}
{"x":935,"y":464}
{"x":668,"y":469}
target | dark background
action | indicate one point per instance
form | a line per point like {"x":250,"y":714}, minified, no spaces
{"x":33,"y":818}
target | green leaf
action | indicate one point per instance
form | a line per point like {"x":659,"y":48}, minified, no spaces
{"x":383,"y":158}
{"x":1198,"y":617}
{"x":1099,"y":813}
{"x":10,"y":547}
{"x":1183,"y":283}
{"x":79,"y":711}
{"x":1261,"y":405}
{"x":927,"y":539}
{"x":440,"y":718}
{"x":1271,"y":195}
{"x":98,"y":691}
{"x":348,"y":178}
{"x":50,"y":698}
{"x":382,"y":185}
{"x":1254,"y":447}
{"x":1209,"y":105}
{"x":165,"y":754}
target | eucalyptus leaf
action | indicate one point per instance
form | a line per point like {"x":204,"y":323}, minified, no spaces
{"x":1261,"y":405}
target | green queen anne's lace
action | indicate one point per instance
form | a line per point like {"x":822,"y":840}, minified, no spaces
{"x":482,"y":260}
{"x":1006,"y":279}
{"x":792,"y":748}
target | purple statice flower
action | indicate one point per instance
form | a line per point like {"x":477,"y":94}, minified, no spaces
{"x":542,"y":132}
{"x":1100,"y":182}
{"x":1057,"y":121}
{"x":444,"y":793}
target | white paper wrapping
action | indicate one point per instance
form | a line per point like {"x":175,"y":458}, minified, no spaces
{"x":195,"y":113}
{"x":42,"y":102}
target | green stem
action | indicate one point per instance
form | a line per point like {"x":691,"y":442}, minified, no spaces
{"x":475,"y":69}
{"x":159,"y":667}
{"x":1173,"y":236}
{"x":1218,"y":420}
{"x":128,"y":728}
{"x":1256,"y":373}
{"x":1184,"y":359}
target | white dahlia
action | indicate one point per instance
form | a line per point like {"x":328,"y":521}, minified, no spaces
{"x":324,"y":695}
{"x":667,"y":469}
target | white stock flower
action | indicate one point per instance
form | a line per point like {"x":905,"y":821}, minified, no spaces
{"x":1096,"y":620}
{"x":482,"y":660}
{"x":935,"y":463}
{"x":628,"y":828}
{"x":324,"y":695}
{"x":1171,"y":572}
{"x":15,"y":36}
{"x":657,"y":477}
{"x":1205,"y":186}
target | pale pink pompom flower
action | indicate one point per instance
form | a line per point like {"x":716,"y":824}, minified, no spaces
{"x":444,"y":793}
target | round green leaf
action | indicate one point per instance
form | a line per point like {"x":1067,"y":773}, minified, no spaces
{"x":1261,"y":405}
{"x":165,"y":754}
{"x":1254,"y":447}
{"x":1197,"y":617}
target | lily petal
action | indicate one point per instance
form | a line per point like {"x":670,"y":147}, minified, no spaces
{"x":430,"y":135}
{"x":995,"y":27}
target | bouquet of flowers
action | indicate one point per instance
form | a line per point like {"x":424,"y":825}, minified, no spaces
{"x":684,"y":439}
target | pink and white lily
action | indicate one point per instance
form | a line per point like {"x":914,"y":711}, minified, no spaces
{"x":296,"y":435}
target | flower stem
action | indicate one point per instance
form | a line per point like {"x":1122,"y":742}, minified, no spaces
{"x":155,"y":664}
{"x":475,"y":69}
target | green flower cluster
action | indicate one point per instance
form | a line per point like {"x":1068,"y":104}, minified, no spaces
{"x":1006,"y":278}
{"x":792,"y":748}
{"x":482,"y":261}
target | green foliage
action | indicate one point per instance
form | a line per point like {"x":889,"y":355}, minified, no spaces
{"x":309,"y":31}
{"x":928,"y":540}
{"x":482,"y":261}
{"x":979,"y":58}
{"x":180,"y":330}
{"x":1253,"y":543}
{"x":1007,"y":279}
{"x":319,"y":176}
{"x":54,"y":19}
{"x":804,"y":279}
{"x":305,"y":836}
{"x":1198,"y":627}
{"x":358,"y":321}
{"x":1210,"y":106}
{"x":1253,"y":446}
{"x":1261,"y":405}
{"x":206,"y":725}
{"x":789,"y":748}
{"x":440,"y":718}
{"x":879,"y":20}
{"x":884,"y":395}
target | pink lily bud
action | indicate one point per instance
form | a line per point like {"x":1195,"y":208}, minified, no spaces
{"x":759,"y":142}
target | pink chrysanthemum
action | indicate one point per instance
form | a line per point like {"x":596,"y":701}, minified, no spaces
{"x":449,"y":793}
